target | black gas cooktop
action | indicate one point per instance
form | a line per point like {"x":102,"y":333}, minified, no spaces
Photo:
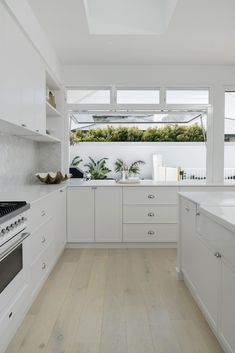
{"x":7,"y":207}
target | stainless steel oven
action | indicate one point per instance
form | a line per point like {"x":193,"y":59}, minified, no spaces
{"x":13,"y":225}
{"x":11,"y":259}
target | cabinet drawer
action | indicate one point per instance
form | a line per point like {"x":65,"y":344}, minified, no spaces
{"x":150,"y":214}
{"x":218,"y":237}
{"x":41,"y":268}
{"x":150,"y":233}
{"x":12,"y":317}
{"x":40,"y":212}
{"x":150,"y":195}
{"x":40,"y":239}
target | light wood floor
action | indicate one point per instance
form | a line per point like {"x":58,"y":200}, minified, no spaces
{"x":114,"y":301}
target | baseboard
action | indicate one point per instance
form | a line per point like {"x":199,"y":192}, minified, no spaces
{"x":179,"y":274}
{"x":122,"y":245}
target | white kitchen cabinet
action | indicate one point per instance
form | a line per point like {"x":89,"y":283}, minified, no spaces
{"x":150,"y":195}
{"x":59,"y":220}
{"x":207,"y":262}
{"x":207,"y":280}
{"x":145,"y":233}
{"x":227,"y":321}
{"x":189,"y":260}
{"x":80,"y":214}
{"x":150,"y":214}
{"x":22,"y":84}
{"x":108,"y":214}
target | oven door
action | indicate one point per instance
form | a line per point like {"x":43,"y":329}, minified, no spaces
{"x":11,"y":259}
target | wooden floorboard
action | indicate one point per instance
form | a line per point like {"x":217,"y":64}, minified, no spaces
{"x":114,"y":301}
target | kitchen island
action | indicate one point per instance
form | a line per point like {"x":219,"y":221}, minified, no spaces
{"x":206,"y":258}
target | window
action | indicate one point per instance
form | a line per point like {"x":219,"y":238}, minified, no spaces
{"x":229,"y":135}
{"x":180,"y":96}
{"x":85,"y":96}
{"x":137,"y":96}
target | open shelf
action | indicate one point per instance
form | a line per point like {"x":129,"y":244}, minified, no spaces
{"x":44,"y":138}
{"x":17,"y":130}
{"x":51,"y":111}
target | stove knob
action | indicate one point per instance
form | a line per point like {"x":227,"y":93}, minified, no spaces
{"x":24,"y":219}
{"x":8,"y":228}
{"x":12,"y":226}
{"x":16,"y":223}
{"x":3,"y":232}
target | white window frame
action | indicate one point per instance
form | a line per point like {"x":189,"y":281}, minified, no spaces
{"x":86,"y":107}
{"x":183,"y":106}
{"x":136,"y":107}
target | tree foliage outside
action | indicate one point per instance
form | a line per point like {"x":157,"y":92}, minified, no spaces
{"x":170,"y":133}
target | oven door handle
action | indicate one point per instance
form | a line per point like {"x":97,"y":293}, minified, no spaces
{"x":13,"y":246}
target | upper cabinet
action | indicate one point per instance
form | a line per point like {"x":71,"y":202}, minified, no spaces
{"x":24,"y":84}
{"x":23,"y":79}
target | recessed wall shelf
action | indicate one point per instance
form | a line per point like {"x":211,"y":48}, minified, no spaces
{"x":51,"y":111}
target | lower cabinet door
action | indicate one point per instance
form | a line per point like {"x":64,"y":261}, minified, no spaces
{"x":108,"y":214}
{"x":40,"y":269}
{"x":145,"y":233}
{"x":12,"y":317}
{"x":80,"y":214}
{"x":59,"y":221}
{"x":227,"y":322}
{"x":208,"y":281}
{"x":189,"y":259}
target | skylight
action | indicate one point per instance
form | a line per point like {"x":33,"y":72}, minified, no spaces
{"x":129,"y":17}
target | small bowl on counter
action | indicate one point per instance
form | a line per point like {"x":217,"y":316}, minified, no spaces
{"x":52,"y":178}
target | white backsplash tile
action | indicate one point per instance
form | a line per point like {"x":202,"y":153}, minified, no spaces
{"x":21,"y":158}
{"x":18,"y":160}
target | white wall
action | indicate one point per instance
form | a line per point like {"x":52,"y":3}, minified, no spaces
{"x":215,"y":77}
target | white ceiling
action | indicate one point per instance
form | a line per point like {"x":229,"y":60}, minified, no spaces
{"x":199,"y":32}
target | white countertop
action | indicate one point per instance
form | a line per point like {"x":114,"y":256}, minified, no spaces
{"x":29,"y":193}
{"x":211,"y":198}
{"x":218,"y":206}
{"x":81,"y":182}
{"x":34,"y":192}
{"x":223,"y":215}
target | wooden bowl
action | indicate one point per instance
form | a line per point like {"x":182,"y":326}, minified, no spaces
{"x":52,"y":178}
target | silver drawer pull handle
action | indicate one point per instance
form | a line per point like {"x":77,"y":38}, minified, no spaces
{"x":187,"y":209}
{"x":150,"y":214}
{"x":44,"y":266}
{"x":43,"y":213}
{"x":151,"y":232}
{"x":151,"y":196}
{"x":218,"y":255}
{"x":43,"y":240}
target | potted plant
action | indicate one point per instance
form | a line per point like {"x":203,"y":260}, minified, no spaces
{"x":128,"y":170}
{"x":97,"y":169}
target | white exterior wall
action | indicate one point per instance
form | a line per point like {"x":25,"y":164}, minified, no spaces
{"x":187,"y":155}
{"x":175,"y":154}
{"x":215,"y":77}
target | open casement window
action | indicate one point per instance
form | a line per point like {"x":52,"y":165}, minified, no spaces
{"x":187,"y":97}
